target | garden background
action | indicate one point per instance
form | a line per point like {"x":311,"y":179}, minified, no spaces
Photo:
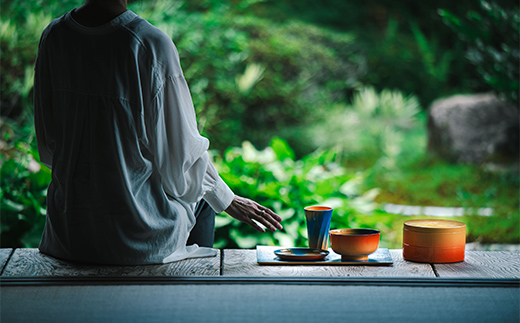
{"x":305,"y":102}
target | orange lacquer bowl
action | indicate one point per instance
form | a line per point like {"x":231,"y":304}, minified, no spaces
{"x":354,"y":244}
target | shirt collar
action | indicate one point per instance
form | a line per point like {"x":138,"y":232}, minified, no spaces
{"x":115,"y":23}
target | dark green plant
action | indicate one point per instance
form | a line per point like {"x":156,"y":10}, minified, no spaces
{"x":371,"y":128}
{"x":23,"y":190}
{"x":21,"y":24}
{"x":255,"y":73}
{"x":246,"y":74}
{"x":406,"y":59}
{"x":18,"y":48}
{"x":274,"y":178}
{"x":252,"y":79}
{"x":491,"y":34}
{"x":406,"y":44}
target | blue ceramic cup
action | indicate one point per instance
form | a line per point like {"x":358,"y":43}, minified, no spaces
{"x":318,"y":225}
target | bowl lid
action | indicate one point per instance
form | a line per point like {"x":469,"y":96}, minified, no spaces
{"x":434,"y":225}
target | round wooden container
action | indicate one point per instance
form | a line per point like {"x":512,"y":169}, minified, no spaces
{"x":434,"y":241}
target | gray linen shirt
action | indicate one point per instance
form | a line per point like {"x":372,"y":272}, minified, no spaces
{"x":115,"y":122}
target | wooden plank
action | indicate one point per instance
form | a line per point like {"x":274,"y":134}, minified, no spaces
{"x":240,"y":262}
{"x":4,"y":257}
{"x":30,"y":262}
{"x":483,"y":264}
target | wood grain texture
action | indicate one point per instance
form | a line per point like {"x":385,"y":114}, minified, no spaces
{"x":483,"y":264}
{"x":239,"y":262}
{"x":30,"y":262}
{"x":4,"y":256}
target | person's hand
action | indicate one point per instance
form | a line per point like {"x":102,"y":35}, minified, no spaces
{"x":246,"y":210}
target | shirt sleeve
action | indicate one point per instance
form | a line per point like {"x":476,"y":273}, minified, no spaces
{"x":181,"y":152}
{"x":43,"y":112}
{"x":217,"y":194}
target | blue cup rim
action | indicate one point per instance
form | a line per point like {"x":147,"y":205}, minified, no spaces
{"x":317,"y":208}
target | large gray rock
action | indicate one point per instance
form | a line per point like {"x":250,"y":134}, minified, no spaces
{"x":474,"y":129}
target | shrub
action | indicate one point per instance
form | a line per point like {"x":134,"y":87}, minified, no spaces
{"x":252,"y":79}
{"x":491,"y":34}
{"x":372,"y":128}
{"x":274,"y":178}
{"x":18,"y":47}
{"x":406,"y":59}
{"x":23,"y":190}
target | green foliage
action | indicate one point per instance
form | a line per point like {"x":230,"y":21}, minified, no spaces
{"x":17,"y":70}
{"x":23,"y":191}
{"x":251,"y":76}
{"x":275,"y":179}
{"x":317,"y":76}
{"x":247,"y":75}
{"x":405,"y":43}
{"x":372,"y":128}
{"x":21,"y":24}
{"x":416,"y":178}
{"x":491,"y":35}
{"x":404,"y":58}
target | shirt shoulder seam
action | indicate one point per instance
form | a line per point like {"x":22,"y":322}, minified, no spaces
{"x":136,"y":37}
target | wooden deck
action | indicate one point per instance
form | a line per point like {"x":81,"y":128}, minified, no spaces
{"x":243,"y":263}
{"x":32,"y":263}
{"x":233,"y":287}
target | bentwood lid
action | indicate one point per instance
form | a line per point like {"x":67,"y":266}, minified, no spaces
{"x":434,"y":225}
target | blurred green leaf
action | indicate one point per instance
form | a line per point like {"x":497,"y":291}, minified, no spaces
{"x":281,"y":149}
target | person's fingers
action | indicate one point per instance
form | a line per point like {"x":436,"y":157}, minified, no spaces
{"x":267,"y":218}
{"x":254,"y":225}
{"x":261,"y":217}
{"x":274,"y":218}
{"x":270,"y":215}
{"x":249,"y":211}
{"x":243,"y":213}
